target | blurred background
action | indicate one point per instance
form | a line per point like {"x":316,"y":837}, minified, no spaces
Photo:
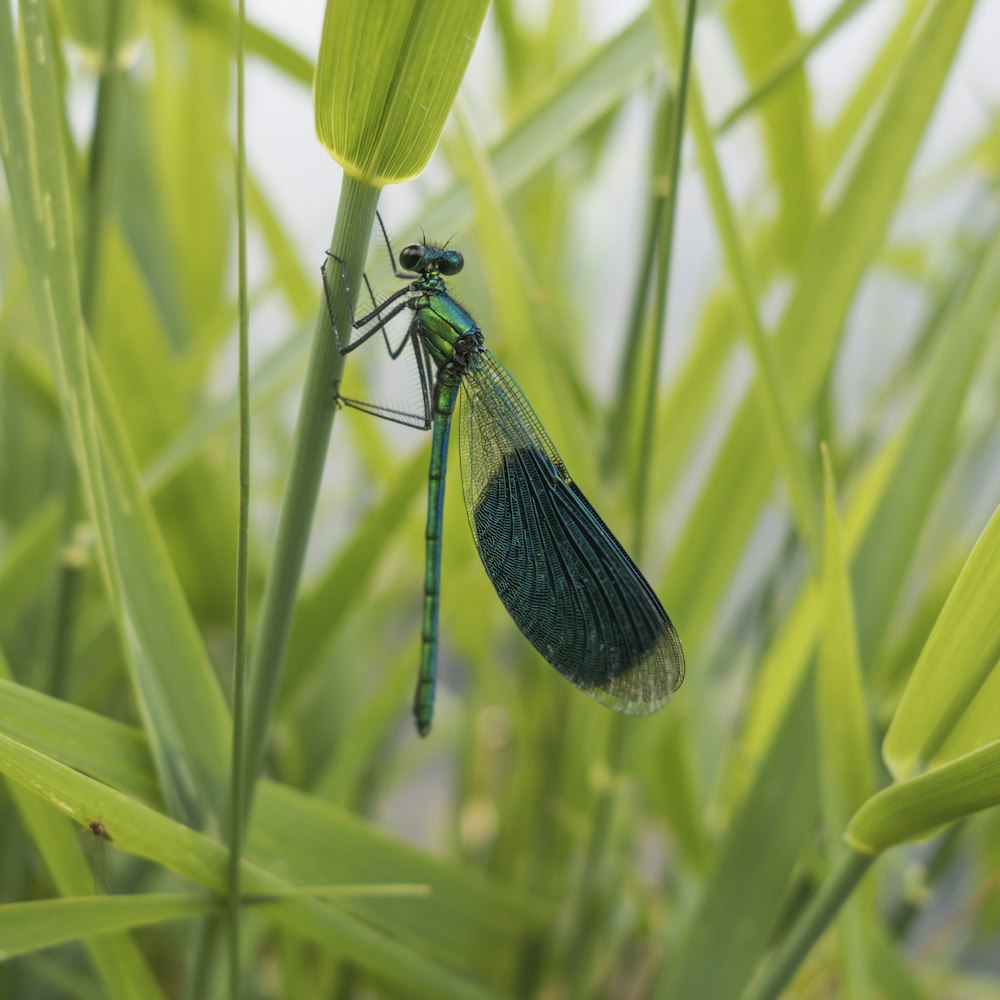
{"x":857,"y":149}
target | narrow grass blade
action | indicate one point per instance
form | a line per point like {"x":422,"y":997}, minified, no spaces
{"x":621,"y":418}
{"x":44,"y":923}
{"x":237,"y":761}
{"x":811,"y":924}
{"x":950,"y":702}
{"x":785,"y":116}
{"x":841,"y":709}
{"x":918,"y":807}
{"x":676,"y":117}
{"x":772,"y":391}
{"x":787,"y":63}
{"x":379,"y":890}
{"x":846,"y":754}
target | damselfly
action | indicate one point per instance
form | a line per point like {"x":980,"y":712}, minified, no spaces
{"x":564,"y":578}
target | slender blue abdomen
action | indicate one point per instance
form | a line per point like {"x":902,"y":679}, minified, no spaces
{"x":445,"y":396}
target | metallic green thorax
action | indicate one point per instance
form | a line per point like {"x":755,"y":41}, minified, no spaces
{"x":444,"y":323}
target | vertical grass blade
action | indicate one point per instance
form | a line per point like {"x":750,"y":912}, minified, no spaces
{"x":312,"y":437}
{"x":240,"y":658}
{"x":664,"y":258}
{"x":620,"y":420}
{"x":753,"y":863}
{"x":847,"y":774}
{"x":823,"y":907}
{"x":771,"y":389}
{"x":841,"y":709}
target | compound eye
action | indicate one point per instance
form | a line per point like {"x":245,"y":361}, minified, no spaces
{"x":411,"y":256}
{"x":452,"y":262}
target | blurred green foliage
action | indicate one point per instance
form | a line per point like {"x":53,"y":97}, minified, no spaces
{"x":535,"y":845}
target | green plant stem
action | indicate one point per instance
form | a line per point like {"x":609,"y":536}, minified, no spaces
{"x":811,"y":924}
{"x":621,"y":416}
{"x":665,"y":255}
{"x":243,"y":536}
{"x":74,"y":561}
{"x":355,"y":216}
{"x":205,"y":950}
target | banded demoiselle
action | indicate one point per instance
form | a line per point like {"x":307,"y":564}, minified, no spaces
{"x":564,"y":578}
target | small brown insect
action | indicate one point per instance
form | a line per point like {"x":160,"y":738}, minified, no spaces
{"x":98,"y":829}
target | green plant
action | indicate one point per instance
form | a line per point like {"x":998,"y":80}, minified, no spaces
{"x":835,"y":611}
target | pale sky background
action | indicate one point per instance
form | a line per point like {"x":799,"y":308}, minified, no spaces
{"x":304,"y":182}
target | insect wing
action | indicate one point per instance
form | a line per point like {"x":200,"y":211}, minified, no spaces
{"x":564,"y":578}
